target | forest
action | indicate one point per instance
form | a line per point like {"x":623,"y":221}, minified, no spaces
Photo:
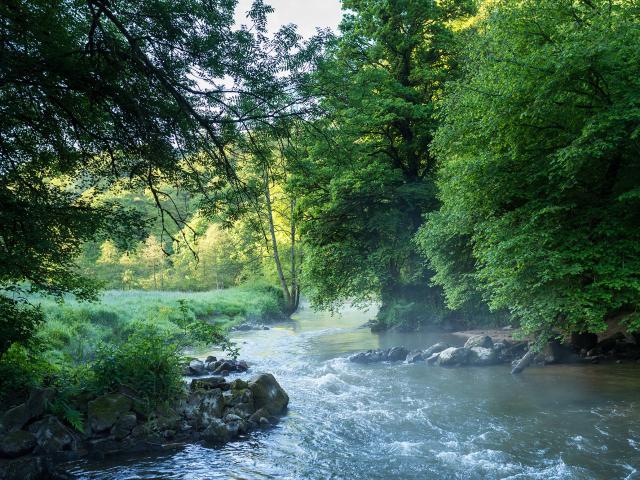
{"x":460,"y":164}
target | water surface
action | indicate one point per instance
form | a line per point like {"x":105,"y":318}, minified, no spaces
{"x":398,"y":421}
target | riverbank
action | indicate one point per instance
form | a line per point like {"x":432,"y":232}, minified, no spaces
{"x":212,"y":410}
{"x":126,"y":349}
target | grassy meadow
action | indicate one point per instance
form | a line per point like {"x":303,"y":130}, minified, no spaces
{"x":73,"y":330}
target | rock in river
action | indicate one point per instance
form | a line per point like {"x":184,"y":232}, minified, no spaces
{"x":480,"y":356}
{"x":483,"y":341}
{"x":268,"y":394}
{"x":452,"y":357}
{"x":437,"y":348}
{"x":395,"y":354}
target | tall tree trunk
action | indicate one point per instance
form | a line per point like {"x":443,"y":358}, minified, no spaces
{"x":295,"y":288}
{"x":274,"y":244}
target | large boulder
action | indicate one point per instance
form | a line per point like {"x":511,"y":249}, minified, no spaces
{"x":481,"y":356}
{"x":610,"y":343}
{"x":17,"y":443}
{"x":396,"y":354}
{"x":453,"y":356}
{"x":25,"y":468}
{"x":483,"y":341}
{"x":17,"y":417}
{"x":105,"y":411}
{"x":196,"y":367}
{"x":584,"y":341}
{"x":557,"y":352}
{"x":51,"y":435}
{"x":436,"y":348}
{"x":202,"y":407}
{"x":239,"y":401}
{"x":216,"y":432}
{"x":209,"y":383}
{"x":124,"y":426}
{"x":268,"y":394}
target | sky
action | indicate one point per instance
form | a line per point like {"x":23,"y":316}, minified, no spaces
{"x":307,"y":14}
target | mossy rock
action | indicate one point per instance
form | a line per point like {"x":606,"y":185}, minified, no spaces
{"x":16,"y":444}
{"x":268,"y":394}
{"x":105,"y":411}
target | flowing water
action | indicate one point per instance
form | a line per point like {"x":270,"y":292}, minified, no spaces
{"x":399,"y":421}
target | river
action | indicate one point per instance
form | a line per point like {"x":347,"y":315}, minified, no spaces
{"x":399,"y":421}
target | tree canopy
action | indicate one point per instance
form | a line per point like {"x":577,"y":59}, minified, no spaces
{"x":540,"y":168}
{"x":368,"y":176}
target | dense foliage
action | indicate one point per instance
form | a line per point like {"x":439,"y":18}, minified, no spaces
{"x":94,"y":94}
{"x":540,"y":166}
{"x":368,"y":176}
{"x":148,"y":363}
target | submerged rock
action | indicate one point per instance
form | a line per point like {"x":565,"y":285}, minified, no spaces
{"x":395,"y":354}
{"x":433,"y":358}
{"x":437,"y":348}
{"x":415,"y":356}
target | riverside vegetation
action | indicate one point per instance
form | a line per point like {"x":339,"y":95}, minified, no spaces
{"x":462,"y":163}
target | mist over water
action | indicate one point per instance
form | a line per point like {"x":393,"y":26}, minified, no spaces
{"x":385,"y":421}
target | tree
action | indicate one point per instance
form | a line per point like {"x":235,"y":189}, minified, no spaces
{"x":266,"y":207}
{"x":152,"y":258}
{"x":367,"y":178}
{"x":540,"y":175}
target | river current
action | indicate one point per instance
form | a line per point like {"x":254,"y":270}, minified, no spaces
{"x":399,"y":421}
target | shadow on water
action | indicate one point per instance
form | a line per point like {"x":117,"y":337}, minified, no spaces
{"x":411,"y":421}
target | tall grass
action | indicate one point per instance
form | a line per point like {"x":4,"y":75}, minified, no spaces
{"x":74,"y":330}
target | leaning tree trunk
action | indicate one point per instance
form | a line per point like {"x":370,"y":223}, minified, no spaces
{"x":295,"y":288}
{"x":274,"y":246}
{"x":524,"y":362}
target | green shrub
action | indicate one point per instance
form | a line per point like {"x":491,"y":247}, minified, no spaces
{"x":18,"y":322}
{"x":148,"y":363}
{"x":20,"y":370}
